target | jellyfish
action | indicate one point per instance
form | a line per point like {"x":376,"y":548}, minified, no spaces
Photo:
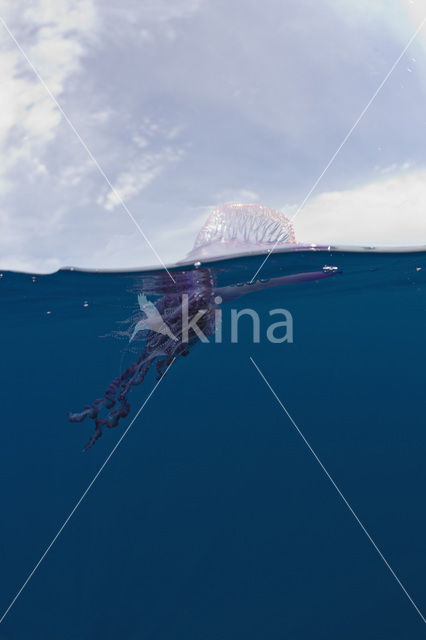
{"x":229,"y":228}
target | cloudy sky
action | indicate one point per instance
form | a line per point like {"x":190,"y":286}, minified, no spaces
{"x":187,"y":104}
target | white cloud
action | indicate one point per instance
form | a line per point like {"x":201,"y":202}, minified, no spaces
{"x":153,"y":12}
{"x":237,"y":195}
{"x":52,"y":187}
{"x":72,"y":175}
{"x":149,"y":20}
{"x":399,"y":15}
{"x":142,"y":172}
{"x":55,"y":45}
{"x":55,"y":36}
{"x":388,"y":212}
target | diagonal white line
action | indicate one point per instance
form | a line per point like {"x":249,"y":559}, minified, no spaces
{"x":338,"y":491}
{"x":85,"y":147}
{"x":347,"y":136}
{"x":80,"y":500}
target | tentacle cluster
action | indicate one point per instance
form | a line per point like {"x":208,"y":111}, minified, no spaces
{"x":114,"y":405}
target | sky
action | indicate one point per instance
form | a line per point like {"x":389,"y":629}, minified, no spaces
{"x":190,"y":104}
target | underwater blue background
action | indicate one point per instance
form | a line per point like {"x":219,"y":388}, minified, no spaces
{"x":212,"y":519}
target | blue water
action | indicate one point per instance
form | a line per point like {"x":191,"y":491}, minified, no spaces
{"x":213,"y":519}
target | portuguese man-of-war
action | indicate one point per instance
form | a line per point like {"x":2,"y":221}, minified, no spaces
{"x":229,"y":229}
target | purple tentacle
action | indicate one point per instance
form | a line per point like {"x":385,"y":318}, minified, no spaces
{"x":108,"y":410}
